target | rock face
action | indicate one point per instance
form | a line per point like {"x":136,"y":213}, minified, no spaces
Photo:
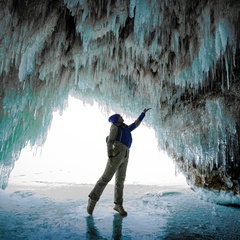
{"x":179,"y":57}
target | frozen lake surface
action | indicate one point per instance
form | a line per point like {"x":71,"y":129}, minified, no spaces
{"x":154,"y":212}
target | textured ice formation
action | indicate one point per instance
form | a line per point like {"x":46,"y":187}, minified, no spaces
{"x":179,"y":57}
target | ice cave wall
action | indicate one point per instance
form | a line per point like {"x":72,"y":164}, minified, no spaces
{"x":180,"y":57}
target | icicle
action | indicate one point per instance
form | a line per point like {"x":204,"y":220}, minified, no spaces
{"x":77,"y":63}
{"x":132,"y":8}
{"x":227,"y":70}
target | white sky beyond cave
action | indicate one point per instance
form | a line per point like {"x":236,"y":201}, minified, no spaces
{"x":75,"y":152}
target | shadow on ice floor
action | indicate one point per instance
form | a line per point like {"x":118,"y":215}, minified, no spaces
{"x":154,"y":212}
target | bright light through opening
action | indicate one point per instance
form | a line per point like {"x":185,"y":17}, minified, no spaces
{"x":76,"y":152}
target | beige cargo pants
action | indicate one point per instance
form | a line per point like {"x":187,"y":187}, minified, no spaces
{"x":118,"y":166}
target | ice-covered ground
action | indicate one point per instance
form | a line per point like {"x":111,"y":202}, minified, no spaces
{"x":154,"y":212}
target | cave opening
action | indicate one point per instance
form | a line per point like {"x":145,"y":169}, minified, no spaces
{"x":75,"y":152}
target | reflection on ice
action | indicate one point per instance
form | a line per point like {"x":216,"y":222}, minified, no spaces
{"x":93,"y":232}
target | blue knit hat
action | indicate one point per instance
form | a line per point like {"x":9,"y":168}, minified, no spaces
{"x":114,"y":118}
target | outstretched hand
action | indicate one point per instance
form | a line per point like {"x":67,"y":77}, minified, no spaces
{"x":146,"y":109}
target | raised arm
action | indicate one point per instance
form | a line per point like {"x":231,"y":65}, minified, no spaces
{"x":139,"y":120}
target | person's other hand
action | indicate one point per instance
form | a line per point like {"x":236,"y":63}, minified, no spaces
{"x":146,"y":109}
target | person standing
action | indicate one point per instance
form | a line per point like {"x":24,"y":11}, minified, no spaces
{"x":118,"y":144}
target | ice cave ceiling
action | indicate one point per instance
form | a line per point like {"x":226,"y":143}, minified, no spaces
{"x":180,"y":57}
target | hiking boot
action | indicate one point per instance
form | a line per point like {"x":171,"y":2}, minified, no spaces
{"x":119,"y":208}
{"x":91,"y":206}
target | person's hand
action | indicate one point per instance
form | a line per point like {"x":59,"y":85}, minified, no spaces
{"x":146,"y":109}
{"x":111,"y":161}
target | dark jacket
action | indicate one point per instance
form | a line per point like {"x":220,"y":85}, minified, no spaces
{"x":121,"y":132}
